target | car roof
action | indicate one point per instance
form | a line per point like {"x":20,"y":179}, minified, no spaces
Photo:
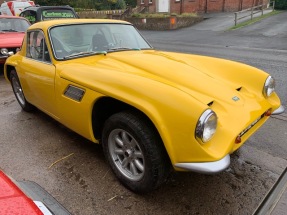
{"x":36,"y":8}
{"x":12,"y":17}
{"x":49,"y":23}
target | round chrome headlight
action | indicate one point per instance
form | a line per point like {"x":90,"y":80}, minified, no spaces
{"x":206,"y":125}
{"x":269,"y":86}
{"x":4,"y":51}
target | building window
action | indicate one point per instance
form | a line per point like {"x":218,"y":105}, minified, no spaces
{"x":142,"y":1}
{"x":177,"y":0}
{"x":150,"y":1}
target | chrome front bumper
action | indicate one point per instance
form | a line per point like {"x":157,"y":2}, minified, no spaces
{"x":279,"y":110}
{"x":215,"y":166}
{"x":206,"y":167}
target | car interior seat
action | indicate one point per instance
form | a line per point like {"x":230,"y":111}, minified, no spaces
{"x":44,"y":51}
{"x":99,"y":43}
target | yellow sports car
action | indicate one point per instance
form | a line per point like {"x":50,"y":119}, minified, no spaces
{"x":151,"y":110}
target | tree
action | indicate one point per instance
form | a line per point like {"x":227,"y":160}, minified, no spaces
{"x":131,"y":3}
{"x":90,"y":4}
{"x":281,"y":4}
{"x":52,"y":2}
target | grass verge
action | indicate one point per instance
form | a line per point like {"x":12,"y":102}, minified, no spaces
{"x":256,"y":19}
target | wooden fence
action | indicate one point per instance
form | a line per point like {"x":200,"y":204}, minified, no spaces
{"x":252,"y":11}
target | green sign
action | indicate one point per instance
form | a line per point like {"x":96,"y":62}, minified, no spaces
{"x":31,"y":19}
{"x":57,"y":14}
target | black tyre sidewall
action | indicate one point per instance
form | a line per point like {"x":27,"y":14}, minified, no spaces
{"x":26,"y":106}
{"x":148,"y":140}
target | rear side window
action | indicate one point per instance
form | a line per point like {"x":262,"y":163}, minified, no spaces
{"x":30,"y":15}
{"x":36,"y":47}
{"x":57,"y":14}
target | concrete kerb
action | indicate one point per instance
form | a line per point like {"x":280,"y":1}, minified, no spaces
{"x":275,"y":201}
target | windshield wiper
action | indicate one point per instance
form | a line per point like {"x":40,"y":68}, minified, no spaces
{"x":123,"y":49}
{"x":10,"y":30}
{"x":80,"y":54}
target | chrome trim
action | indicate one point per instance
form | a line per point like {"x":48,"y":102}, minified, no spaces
{"x":269,"y":80}
{"x":201,"y":123}
{"x":279,"y":110}
{"x":206,"y":167}
{"x":42,"y":208}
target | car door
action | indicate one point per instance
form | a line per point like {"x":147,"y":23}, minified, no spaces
{"x":39,"y":72}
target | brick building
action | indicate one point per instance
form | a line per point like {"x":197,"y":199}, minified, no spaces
{"x":200,"y":6}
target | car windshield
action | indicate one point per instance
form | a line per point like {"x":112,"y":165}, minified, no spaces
{"x":13,"y":25}
{"x":57,"y":14}
{"x":78,"y":40}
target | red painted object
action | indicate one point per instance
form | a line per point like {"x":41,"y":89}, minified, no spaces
{"x":12,"y":31}
{"x":13,"y":200}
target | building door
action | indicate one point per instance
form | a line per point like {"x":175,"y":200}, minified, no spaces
{"x":163,"y":6}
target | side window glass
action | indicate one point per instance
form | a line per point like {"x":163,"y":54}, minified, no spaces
{"x":36,"y":47}
{"x":30,"y":15}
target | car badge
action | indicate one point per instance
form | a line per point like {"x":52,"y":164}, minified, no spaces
{"x":235,"y":98}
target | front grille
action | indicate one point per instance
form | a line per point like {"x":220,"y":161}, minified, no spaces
{"x":11,"y":50}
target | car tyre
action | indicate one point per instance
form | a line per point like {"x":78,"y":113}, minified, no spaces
{"x":135,"y":151}
{"x":18,"y":91}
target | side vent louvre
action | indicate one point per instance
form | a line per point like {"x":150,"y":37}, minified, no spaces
{"x":238,"y":89}
{"x":74,"y":93}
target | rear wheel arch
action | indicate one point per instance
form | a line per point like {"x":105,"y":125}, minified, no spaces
{"x":18,"y":91}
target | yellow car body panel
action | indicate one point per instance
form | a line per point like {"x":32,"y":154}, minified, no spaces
{"x":172,"y":90}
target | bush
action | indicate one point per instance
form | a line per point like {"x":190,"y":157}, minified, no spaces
{"x":161,"y":15}
{"x":281,"y":4}
{"x":157,"y":15}
{"x":150,"y":15}
{"x":188,"y":15}
{"x":136,"y":15}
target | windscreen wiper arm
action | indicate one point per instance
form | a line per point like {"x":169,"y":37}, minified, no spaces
{"x":123,"y":49}
{"x":85,"y":54}
{"x":10,"y":30}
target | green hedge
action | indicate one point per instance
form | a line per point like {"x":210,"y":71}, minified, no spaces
{"x":281,"y":4}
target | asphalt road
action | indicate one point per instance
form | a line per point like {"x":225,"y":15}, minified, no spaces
{"x":34,"y":147}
